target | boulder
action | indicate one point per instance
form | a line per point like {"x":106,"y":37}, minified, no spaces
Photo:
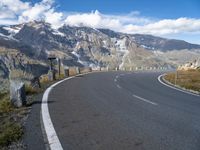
{"x":17,"y":93}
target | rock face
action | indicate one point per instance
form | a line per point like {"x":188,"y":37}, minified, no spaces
{"x":84,"y":46}
{"x":15,"y":64}
{"x":156,"y":43}
{"x":190,"y":65}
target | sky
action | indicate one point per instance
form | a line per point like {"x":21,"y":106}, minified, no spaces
{"x":177,"y":19}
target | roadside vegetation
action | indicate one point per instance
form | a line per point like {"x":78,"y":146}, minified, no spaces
{"x":12,"y":118}
{"x":189,"y":79}
{"x":10,"y":126}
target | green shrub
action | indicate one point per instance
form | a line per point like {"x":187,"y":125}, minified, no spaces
{"x":10,"y":132}
{"x":5,"y":106}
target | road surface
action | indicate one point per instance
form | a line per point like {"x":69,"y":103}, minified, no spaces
{"x":124,"y":111}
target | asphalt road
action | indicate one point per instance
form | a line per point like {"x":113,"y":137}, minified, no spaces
{"x":122,"y":111}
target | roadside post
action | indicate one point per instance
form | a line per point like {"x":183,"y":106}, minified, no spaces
{"x":51,"y":73}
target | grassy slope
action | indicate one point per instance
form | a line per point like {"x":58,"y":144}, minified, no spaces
{"x":187,"y":79}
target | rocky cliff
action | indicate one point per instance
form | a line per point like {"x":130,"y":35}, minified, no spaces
{"x":34,"y":41}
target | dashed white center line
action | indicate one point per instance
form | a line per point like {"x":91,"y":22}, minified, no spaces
{"x":145,"y":100}
{"x":115,"y":80}
{"x":119,"y":86}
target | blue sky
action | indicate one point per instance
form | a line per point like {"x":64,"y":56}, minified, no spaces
{"x":166,"y":18}
{"x":151,"y":8}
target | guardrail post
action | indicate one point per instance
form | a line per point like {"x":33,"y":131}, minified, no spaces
{"x":77,"y":70}
{"x":66,"y":72}
{"x":51,"y":75}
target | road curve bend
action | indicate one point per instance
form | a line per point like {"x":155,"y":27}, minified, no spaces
{"x":123,"y":110}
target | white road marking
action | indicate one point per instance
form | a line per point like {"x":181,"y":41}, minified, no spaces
{"x":53,"y":140}
{"x":115,"y":80}
{"x":184,"y":91}
{"x":119,"y":86}
{"x":52,"y":137}
{"x":145,"y":100}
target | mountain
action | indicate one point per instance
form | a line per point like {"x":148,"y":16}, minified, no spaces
{"x":85,"y":46}
{"x":158,"y":43}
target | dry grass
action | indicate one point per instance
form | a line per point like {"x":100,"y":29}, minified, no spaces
{"x":5,"y":105}
{"x":19,"y":74}
{"x":10,"y":130}
{"x":44,"y":79}
{"x":187,"y":79}
{"x":30,"y":90}
{"x":59,"y":77}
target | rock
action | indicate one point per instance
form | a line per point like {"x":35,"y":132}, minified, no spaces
{"x":17,"y":93}
{"x":35,"y":82}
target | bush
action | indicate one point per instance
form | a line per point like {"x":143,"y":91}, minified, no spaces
{"x":5,"y":106}
{"x":10,"y":132}
{"x":30,"y":90}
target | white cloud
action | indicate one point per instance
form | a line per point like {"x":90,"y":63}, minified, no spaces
{"x":14,"y":5}
{"x":98,"y":20}
{"x":166,"y":26}
{"x":7,"y":22}
{"x":42,"y":10}
{"x":10,"y":8}
{"x":54,"y":18}
{"x":17,"y":11}
{"x":135,"y":24}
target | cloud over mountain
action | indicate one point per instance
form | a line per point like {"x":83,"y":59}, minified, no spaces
{"x":129,"y":23}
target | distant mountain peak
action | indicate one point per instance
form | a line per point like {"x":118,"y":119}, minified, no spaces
{"x":94,"y":47}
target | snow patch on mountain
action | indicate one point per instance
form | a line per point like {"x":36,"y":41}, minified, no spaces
{"x":84,"y":63}
{"x":147,"y":47}
{"x":121,"y":48}
{"x":8,"y":37}
{"x":13,"y":30}
{"x":56,"y":32}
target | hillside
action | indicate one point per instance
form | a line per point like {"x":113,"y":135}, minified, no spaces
{"x":84,"y":46}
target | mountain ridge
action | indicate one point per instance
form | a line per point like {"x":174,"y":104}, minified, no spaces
{"x":86,"y":46}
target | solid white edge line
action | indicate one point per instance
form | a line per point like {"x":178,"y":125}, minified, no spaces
{"x":175,"y":88}
{"x":145,"y":100}
{"x":53,"y":140}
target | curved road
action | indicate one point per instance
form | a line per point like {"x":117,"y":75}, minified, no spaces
{"x":122,"y":111}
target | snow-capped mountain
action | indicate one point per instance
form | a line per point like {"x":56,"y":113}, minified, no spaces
{"x":85,"y":46}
